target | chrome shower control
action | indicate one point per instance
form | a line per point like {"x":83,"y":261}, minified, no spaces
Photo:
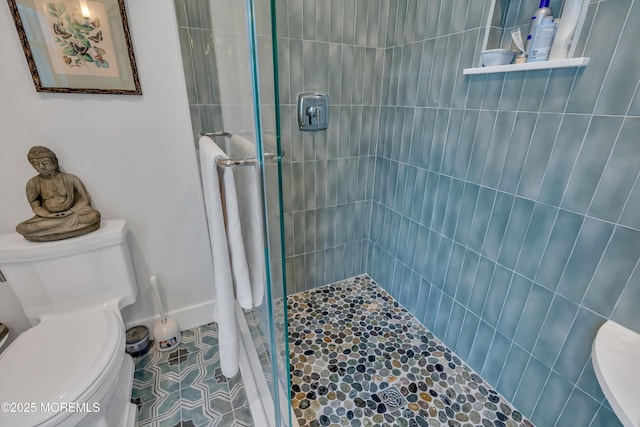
{"x":313,"y":111}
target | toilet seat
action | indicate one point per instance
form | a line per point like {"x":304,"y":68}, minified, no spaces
{"x":71,"y":358}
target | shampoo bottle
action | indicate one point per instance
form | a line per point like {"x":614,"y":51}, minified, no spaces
{"x":571,"y":13}
{"x":542,"y":40}
{"x":536,"y":19}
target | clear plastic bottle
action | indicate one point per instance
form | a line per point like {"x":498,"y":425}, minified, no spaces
{"x":537,"y":17}
{"x":542,"y":40}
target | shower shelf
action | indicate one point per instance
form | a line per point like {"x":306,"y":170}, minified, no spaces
{"x":543,"y":65}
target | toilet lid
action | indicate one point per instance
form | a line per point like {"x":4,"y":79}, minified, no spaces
{"x":59,"y":359}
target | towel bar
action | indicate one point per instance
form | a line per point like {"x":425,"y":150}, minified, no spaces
{"x":237,"y":162}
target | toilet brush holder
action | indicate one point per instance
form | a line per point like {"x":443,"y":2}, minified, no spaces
{"x":166,"y":333}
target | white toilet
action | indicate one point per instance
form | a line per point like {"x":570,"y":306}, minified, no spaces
{"x":71,"y":368}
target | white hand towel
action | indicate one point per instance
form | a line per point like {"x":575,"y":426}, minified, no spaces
{"x":250,"y":204}
{"x":237,"y":255}
{"x":228,"y":333}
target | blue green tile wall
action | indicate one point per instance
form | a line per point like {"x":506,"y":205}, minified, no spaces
{"x":199,"y":63}
{"x":521,"y":193}
{"x":333,"y":47}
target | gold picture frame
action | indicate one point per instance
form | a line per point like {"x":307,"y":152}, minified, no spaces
{"x":77,"y":46}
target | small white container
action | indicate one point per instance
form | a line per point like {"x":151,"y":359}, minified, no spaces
{"x":493,"y":57}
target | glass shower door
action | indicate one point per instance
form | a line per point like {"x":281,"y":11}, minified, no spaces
{"x":271,"y":317}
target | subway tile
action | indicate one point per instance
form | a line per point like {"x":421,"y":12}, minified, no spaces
{"x":563,"y":156}
{"x":511,"y":91}
{"x":467,"y":50}
{"x":419,"y":32}
{"x":445,"y":16}
{"x":400,"y":20}
{"x":561,"y":242}
{"x":467,"y":207}
{"x":459,"y":16}
{"x":590,"y":163}
{"x":294,"y":17}
{"x":580,"y":410}
{"x":349,"y":29}
{"x":425,"y":73}
{"x":492,"y":91}
{"x":497,"y":356}
{"x":481,"y":217}
{"x":373,"y":9}
{"x":453,"y":270}
{"x":513,"y":305}
{"x":451,"y":61}
{"x":516,"y":153}
{"x":475,"y":14}
{"x":621,"y":75}
{"x":467,"y":335}
{"x":619,"y":174}
{"x":629,"y":215}
{"x":497,"y":225}
{"x":590,"y":79}
{"x":453,"y":208}
{"x":605,"y":418}
{"x":535,"y":84}
{"x":480,"y":290}
{"x":537,"y":157}
{"x":482,"y":139}
{"x":626,"y":311}
{"x":577,"y":347}
{"x":454,"y":325}
{"x":555,"y":330}
{"x":429,"y":199}
{"x":337,"y":15}
{"x":514,"y":367}
{"x":496,"y":296}
{"x":515,"y":233}
{"x":442,"y":319}
{"x":410,"y":21}
{"x":590,"y":245}
{"x":534,"y":377}
{"x":465,"y":144}
{"x":452,"y":138}
{"x":437,"y":69}
{"x":614,"y":270}
{"x":309,"y":20}
{"x":442,"y":263}
{"x":533,"y":315}
{"x":558,"y":88}
{"x":467,"y":277}
{"x":383,"y":21}
{"x":552,"y":400}
{"x":589,"y":383}
{"x":480,"y":348}
{"x":535,"y":241}
{"x":431,"y":311}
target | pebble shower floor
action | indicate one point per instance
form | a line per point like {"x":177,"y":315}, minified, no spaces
{"x":357,"y":358}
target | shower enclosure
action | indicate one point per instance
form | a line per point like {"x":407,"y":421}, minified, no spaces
{"x":449,"y":191}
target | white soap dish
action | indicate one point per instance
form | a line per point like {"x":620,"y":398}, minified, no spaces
{"x":492,"y":57}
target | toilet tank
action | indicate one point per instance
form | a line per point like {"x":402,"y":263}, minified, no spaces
{"x":51,"y":278}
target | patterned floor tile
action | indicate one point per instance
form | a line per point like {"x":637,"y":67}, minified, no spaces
{"x":184,"y":387}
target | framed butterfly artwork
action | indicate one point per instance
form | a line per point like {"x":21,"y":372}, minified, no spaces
{"x":77,"y":46}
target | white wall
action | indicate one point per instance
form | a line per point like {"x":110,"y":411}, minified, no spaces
{"x":134,"y":153}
